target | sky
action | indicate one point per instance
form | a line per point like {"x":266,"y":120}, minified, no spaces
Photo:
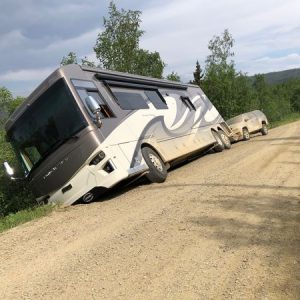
{"x":36,"y":34}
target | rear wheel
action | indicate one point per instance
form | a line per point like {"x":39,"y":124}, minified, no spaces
{"x":264,"y":129}
{"x":219,"y":146}
{"x":225,"y":139}
{"x":157,"y":168}
{"x":246,"y":134}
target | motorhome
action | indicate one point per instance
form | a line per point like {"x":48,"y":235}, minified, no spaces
{"x":83,"y":130}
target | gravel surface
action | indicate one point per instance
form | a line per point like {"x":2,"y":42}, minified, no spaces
{"x":224,"y":226}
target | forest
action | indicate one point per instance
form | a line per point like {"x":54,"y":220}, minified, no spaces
{"x":117,"y":48}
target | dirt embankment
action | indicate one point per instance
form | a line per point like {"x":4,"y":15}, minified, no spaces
{"x":226,"y":225}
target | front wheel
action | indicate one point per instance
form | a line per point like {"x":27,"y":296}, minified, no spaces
{"x":246,"y":134}
{"x":157,"y":169}
{"x":264,"y":129}
{"x":219,"y":146}
{"x":225,"y":139}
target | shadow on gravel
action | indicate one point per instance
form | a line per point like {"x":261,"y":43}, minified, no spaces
{"x":271,"y":222}
{"x":132,"y":183}
{"x":290,"y":138}
{"x":120,"y":189}
{"x":295,"y":151}
{"x":252,"y":186}
{"x":289,"y":162}
{"x":285,"y":144}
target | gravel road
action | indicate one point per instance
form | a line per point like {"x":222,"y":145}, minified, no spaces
{"x":224,"y":226}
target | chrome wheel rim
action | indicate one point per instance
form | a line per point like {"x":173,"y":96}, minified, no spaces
{"x":156,"y":162}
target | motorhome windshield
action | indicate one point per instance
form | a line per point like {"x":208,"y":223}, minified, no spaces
{"x":51,"y":120}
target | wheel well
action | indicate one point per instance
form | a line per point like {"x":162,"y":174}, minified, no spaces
{"x":263,"y":122}
{"x":153,"y":148}
{"x":245,"y":127}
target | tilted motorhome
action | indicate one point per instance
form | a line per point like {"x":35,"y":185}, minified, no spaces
{"x":85,"y":129}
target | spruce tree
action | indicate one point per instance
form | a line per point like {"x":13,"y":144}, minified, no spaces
{"x":198,"y":74}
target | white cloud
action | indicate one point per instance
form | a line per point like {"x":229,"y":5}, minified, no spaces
{"x":13,"y":38}
{"x":266,"y":34}
{"x":181,"y":30}
{"x":269,"y":64}
{"x":27,"y":74}
{"x":76,"y":43}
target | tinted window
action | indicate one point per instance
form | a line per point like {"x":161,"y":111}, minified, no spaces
{"x":129,"y":99}
{"x":83,"y":83}
{"x":87,"y":88}
{"x":156,"y":99}
{"x":46,"y":124}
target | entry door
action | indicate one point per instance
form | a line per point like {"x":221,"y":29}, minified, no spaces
{"x":176,"y":139}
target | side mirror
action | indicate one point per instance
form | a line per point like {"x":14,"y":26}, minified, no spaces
{"x":92,"y":104}
{"x":8,"y":169}
{"x":95,"y":108}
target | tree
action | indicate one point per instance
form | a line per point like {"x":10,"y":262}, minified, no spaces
{"x":261,"y":89}
{"x":221,"y":49}
{"x":198,"y":75}
{"x":244,"y":95}
{"x":87,"y":63}
{"x":15,"y":103}
{"x":220,"y":74}
{"x":148,"y":64}
{"x":8,"y":104}
{"x":295,"y":99}
{"x":5,"y":100}
{"x":71,"y":58}
{"x":117,"y":47}
{"x":174,"y":77}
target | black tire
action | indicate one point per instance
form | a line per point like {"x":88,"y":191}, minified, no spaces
{"x":225,"y":139}
{"x":157,"y":169}
{"x":219,"y":146}
{"x":246,"y":134}
{"x":264,"y":129}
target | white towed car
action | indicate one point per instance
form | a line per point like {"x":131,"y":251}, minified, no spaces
{"x":245,"y":124}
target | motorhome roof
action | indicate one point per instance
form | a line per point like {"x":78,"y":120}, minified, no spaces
{"x":100,"y":73}
{"x":107,"y":74}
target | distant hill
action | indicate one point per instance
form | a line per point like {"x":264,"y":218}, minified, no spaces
{"x":281,"y":76}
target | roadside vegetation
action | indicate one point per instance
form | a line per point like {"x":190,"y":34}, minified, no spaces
{"x":24,"y":216}
{"x":293,"y":117}
{"x":231,"y":91}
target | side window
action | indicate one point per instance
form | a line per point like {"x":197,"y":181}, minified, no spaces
{"x":87,"y":88}
{"x":129,"y":99}
{"x":187,"y":101}
{"x":181,"y":98}
{"x":156,"y":99}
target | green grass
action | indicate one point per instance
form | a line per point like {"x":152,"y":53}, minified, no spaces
{"x":288,"y":119}
{"x":24,"y":216}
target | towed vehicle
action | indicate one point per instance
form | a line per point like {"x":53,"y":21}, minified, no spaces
{"x":83,"y":130}
{"x":248,"y":123}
